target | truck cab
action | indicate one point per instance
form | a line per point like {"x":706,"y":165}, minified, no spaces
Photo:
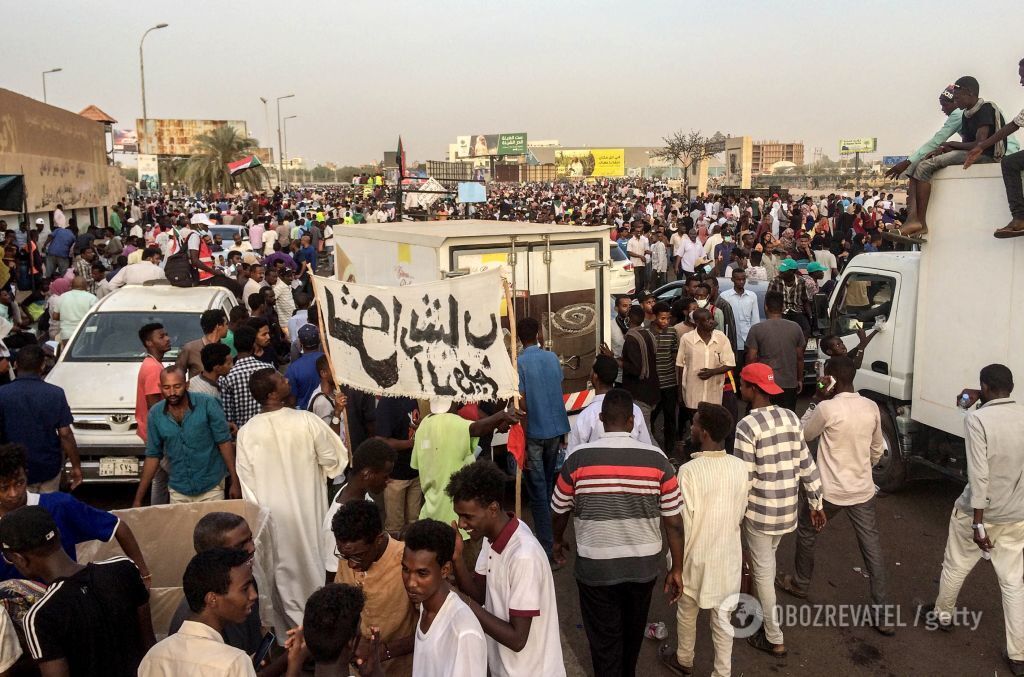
{"x":947,"y":311}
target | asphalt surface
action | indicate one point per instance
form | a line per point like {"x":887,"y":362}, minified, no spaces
{"x":913,"y":527}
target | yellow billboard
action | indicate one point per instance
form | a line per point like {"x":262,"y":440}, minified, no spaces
{"x":590,"y":162}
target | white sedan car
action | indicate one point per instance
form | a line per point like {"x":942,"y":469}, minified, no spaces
{"x":620,"y":274}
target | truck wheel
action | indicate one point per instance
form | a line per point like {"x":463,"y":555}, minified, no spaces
{"x":891,"y":472}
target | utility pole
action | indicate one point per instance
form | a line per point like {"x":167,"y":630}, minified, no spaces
{"x":45,"y":73}
{"x":142,"y":69}
{"x":280,"y":146}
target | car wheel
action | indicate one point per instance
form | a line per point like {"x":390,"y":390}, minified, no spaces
{"x":890,"y":473}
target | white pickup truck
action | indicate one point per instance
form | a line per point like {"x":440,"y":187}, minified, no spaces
{"x":949,"y":310}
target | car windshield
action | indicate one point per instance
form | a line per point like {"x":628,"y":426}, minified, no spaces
{"x":114,"y":337}
{"x":617,"y":254}
{"x":227,"y":233}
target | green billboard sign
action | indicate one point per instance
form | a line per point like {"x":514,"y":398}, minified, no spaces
{"x":512,"y":144}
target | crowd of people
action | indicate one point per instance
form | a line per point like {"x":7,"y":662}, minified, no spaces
{"x":394,"y":553}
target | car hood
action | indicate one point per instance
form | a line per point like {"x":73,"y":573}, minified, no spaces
{"x":97,"y":386}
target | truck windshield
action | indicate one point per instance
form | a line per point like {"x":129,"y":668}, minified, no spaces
{"x":114,"y":337}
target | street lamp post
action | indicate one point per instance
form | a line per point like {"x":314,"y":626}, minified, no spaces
{"x":280,"y":147}
{"x":142,"y":71}
{"x":45,"y":73}
{"x":286,"y":119}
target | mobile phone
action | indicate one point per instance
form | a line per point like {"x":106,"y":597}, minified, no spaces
{"x":827,"y":384}
{"x":266,"y":643}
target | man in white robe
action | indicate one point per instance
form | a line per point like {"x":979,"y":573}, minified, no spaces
{"x":284,"y":458}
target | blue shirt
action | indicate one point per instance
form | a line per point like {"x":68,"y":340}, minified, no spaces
{"x":76,"y":521}
{"x":307,"y":254}
{"x":191,"y":446}
{"x":540,"y":379}
{"x":61,"y":242}
{"x":304,"y":378}
{"x":31,"y":412}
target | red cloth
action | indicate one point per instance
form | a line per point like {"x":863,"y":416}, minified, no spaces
{"x":517,"y":444}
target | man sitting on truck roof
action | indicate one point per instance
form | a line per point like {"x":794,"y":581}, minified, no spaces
{"x":981,"y":119}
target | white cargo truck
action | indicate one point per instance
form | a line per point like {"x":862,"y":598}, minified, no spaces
{"x":558,"y":274}
{"x":948,"y":311}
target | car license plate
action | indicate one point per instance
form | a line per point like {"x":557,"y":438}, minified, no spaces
{"x":119,"y":467}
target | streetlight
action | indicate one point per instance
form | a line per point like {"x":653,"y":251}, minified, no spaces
{"x":142,"y":70}
{"x":45,"y":73}
{"x":280,"y":147}
{"x":286,"y":119}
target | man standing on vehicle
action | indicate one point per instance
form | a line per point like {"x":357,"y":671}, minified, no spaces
{"x":189,"y":429}
{"x":988,"y":517}
{"x":36,"y":415}
{"x":540,"y":381}
{"x":850,"y":429}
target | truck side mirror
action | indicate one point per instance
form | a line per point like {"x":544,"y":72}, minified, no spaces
{"x":820,"y":303}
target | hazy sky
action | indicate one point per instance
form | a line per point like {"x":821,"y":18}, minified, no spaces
{"x":599,"y":73}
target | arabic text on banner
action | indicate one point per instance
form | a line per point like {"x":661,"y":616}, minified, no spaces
{"x":439,"y":339}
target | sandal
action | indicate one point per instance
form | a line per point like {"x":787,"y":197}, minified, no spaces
{"x":1007,"y":232}
{"x":667,"y":656}
{"x":759,"y":641}
{"x":785,"y":583}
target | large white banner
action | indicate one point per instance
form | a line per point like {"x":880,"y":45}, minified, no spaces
{"x":439,"y":339}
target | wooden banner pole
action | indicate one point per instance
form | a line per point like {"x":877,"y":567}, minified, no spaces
{"x":325,"y":345}
{"x":511,"y":310}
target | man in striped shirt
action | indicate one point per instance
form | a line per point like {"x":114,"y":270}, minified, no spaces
{"x":771,"y":442}
{"x":622,"y":492}
{"x":666,"y":342}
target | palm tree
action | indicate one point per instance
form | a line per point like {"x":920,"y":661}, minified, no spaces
{"x":207,"y":169}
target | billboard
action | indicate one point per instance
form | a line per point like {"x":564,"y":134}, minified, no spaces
{"x":62,"y":155}
{"x":126,"y":141}
{"x":590,"y":162}
{"x":893,"y":160}
{"x":175,"y":137}
{"x":512,"y":144}
{"x":149,"y":172}
{"x":863,"y":145}
{"x":485,"y":145}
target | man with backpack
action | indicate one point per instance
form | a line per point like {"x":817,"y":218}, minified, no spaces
{"x":190,"y":262}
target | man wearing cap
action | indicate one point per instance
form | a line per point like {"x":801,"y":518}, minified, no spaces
{"x":771,"y":442}
{"x":981,"y":119}
{"x":951,"y":126}
{"x":302,"y":374}
{"x":94,"y":619}
{"x":797,"y":295}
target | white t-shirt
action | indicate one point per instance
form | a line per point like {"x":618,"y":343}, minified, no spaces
{"x":454,"y":646}
{"x":10,"y":650}
{"x":827,"y":259}
{"x":519,"y":583}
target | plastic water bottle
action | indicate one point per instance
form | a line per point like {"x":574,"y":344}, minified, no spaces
{"x":656,"y":631}
{"x":985,"y":554}
{"x":965,"y":401}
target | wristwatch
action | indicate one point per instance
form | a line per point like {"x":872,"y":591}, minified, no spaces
{"x":335,"y":420}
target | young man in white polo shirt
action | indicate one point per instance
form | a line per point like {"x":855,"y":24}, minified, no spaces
{"x":512,"y":592}
{"x":449,"y":640}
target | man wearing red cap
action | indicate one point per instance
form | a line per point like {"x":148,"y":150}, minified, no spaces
{"x":770,"y":440}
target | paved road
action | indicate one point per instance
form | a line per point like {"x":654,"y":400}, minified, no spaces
{"x":913,"y":527}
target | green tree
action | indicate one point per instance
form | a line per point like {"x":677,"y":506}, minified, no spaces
{"x":207,"y":169}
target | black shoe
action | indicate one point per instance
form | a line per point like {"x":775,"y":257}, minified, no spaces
{"x":931,"y":615}
{"x":1016,"y":667}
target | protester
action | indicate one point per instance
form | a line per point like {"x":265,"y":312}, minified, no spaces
{"x":850,"y":431}
{"x":395,"y":422}
{"x":217,"y":363}
{"x":779,"y":343}
{"x":302,"y":374}
{"x":94,"y":619}
{"x":373,"y":563}
{"x":618,"y":534}
{"x":988,"y":517}
{"x":640,"y":367}
{"x":239,"y":403}
{"x":157,"y":343}
{"x":540,"y":381}
{"x":73,"y":307}
{"x":770,"y":441}
{"x":220,"y":591}
{"x":510,"y":590}
{"x":703,"y":359}
{"x":36,"y":415}
{"x":588,"y":427}
{"x":191,"y":432}
{"x":714,"y":488}
{"x":283,"y":458}
{"x":745,"y":310}
{"x":449,"y":640}
{"x":214,"y":325}
{"x":666,"y":342}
